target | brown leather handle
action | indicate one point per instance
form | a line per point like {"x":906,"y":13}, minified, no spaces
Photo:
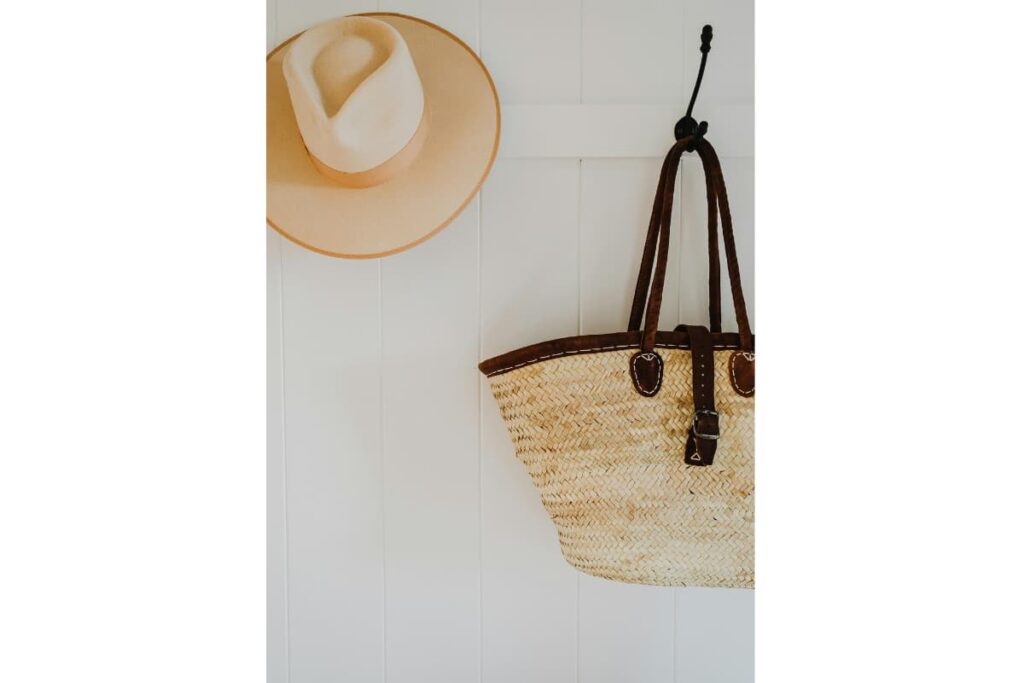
{"x":731,"y":260}
{"x":714,"y":269}
{"x":655,"y":257}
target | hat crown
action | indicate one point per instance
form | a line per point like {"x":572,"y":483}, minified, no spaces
{"x":355,"y":92}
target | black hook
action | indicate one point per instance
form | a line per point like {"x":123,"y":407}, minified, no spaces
{"x":688,"y":126}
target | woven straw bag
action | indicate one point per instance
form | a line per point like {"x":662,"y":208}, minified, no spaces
{"x":642,"y":442}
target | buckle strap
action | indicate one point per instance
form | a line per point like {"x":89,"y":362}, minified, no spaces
{"x":705,"y":417}
{"x":705,"y":430}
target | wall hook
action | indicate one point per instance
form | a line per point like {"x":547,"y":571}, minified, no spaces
{"x":688,"y":125}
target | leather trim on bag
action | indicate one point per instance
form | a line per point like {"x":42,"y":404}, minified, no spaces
{"x":741,"y":372}
{"x":595,"y":343}
{"x":646,"y":368}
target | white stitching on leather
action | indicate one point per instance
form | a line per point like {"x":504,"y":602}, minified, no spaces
{"x":732,"y":371}
{"x":636,"y":378}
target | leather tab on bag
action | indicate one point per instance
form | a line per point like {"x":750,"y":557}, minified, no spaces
{"x":646,"y":370}
{"x":741,"y":372}
{"x":705,"y":429}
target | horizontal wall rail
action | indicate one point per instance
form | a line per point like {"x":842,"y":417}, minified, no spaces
{"x":581,"y":131}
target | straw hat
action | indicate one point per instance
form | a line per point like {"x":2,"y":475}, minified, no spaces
{"x":380,"y":130}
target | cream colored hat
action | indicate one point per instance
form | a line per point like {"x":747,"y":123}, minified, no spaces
{"x":380,"y":130}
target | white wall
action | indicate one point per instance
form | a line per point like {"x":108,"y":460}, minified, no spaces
{"x":406,"y":542}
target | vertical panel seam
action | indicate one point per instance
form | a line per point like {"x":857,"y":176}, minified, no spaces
{"x":479,"y":380}
{"x":679,"y":308}
{"x":579,"y":323}
{"x":480,"y":29}
{"x":580,"y":48}
{"x":284,"y":455}
{"x":380,"y":470}
{"x":479,"y":432}
{"x":675,"y":633}
{"x":579,"y":246}
{"x":380,"y":465}
{"x":479,"y":383}
{"x":277,"y":22}
{"x":579,"y":290}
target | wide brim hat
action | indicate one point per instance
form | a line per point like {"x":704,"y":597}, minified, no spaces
{"x":310,"y":208}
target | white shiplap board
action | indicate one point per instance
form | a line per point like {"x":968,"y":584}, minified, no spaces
{"x":277,"y":515}
{"x":332,"y":425}
{"x":626,"y":631}
{"x":528,"y":291}
{"x":431,"y":493}
{"x":632,"y":51}
{"x":405,"y":541}
{"x":532,"y":49}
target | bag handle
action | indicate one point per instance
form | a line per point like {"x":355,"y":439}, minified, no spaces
{"x":714,"y":269}
{"x":731,"y":260}
{"x":655,"y":257}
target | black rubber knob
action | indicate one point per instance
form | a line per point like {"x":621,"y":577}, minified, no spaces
{"x":705,"y":39}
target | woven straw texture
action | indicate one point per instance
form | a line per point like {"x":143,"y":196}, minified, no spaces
{"x":609,"y":466}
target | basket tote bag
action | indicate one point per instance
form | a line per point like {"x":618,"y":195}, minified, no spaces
{"x":641,"y":443}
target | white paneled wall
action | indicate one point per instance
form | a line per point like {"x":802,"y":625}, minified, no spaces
{"x":405,"y":541}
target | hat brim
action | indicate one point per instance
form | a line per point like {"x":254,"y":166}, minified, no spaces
{"x":462,"y":142}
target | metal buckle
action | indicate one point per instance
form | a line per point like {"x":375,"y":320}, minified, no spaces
{"x":696,"y":431}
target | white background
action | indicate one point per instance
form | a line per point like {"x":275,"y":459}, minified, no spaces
{"x":407,"y":542}
{"x":133,"y":362}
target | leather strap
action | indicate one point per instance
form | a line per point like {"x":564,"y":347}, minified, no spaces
{"x":647,"y":260}
{"x":656,"y":247}
{"x":714,"y":267}
{"x":702,"y":440}
{"x":647,"y":366}
{"x":663,"y":208}
{"x":729,"y":238}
